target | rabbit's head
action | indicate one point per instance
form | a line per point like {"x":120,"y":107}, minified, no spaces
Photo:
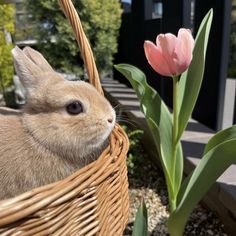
{"x":68,"y":118}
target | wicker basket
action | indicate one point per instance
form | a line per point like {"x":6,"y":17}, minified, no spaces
{"x":92,"y":201}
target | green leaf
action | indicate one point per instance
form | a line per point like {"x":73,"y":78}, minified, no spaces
{"x":160,"y":123}
{"x":141,"y":221}
{"x":225,"y":135}
{"x":183,"y":188}
{"x":218,"y":158}
{"x":151,"y":105}
{"x":191,"y":80}
{"x":173,"y":189}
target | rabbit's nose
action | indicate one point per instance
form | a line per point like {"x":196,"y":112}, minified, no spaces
{"x":110,"y":119}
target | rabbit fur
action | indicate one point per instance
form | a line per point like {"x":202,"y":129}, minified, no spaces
{"x":43,"y":142}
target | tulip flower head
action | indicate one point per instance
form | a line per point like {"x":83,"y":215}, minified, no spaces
{"x":171,"y":55}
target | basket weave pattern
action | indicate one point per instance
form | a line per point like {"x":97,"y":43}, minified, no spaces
{"x":92,"y":201}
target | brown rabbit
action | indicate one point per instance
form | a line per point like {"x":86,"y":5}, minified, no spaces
{"x":63,"y":126}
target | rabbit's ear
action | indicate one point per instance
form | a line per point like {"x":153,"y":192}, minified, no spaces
{"x":26,"y":69}
{"x":38,"y":59}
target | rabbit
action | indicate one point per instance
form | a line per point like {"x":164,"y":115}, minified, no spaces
{"x":63,"y":126}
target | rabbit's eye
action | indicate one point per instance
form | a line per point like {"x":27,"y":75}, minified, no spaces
{"x":74,"y":108}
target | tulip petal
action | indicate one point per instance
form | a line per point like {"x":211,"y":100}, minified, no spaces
{"x":155,"y":58}
{"x":171,"y":55}
{"x":185,"y":35}
{"x":167,"y":43}
{"x":184,"y":49}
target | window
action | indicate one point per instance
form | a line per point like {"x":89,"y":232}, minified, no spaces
{"x":153,"y":9}
{"x":126,"y":5}
{"x":157,"y":9}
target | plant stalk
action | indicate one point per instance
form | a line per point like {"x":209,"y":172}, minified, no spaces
{"x":175,"y":131}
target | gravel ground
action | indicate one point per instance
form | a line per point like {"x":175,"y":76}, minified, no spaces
{"x":147,"y":182}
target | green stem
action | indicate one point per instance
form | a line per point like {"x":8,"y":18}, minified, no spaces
{"x":175,"y":112}
{"x":175,"y":131}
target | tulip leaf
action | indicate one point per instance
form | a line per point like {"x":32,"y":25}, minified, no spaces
{"x":191,"y":80}
{"x":220,"y":155}
{"x":227,"y":134}
{"x":160,"y":123}
{"x":224,"y":135}
{"x":141,"y":221}
{"x":173,"y":189}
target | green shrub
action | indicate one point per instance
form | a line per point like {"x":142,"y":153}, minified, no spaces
{"x":136,"y":155}
{"x":101,"y":20}
{"x":7,"y":13}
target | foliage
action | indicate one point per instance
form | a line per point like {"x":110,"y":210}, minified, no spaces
{"x":208,"y":170}
{"x":141,"y":223}
{"x":101,"y":20}
{"x":23,"y":24}
{"x":136,"y":153}
{"x":7,"y":13}
{"x":182,"y":196}
{"x":159,"y":120}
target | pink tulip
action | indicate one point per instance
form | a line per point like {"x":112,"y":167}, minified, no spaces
{"x":171,"y":55}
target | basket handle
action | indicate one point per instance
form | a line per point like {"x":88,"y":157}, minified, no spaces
{"x":85,"y":49}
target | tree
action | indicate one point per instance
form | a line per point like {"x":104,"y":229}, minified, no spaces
{"x":7,"y":13}
{"x":101,"y":20}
